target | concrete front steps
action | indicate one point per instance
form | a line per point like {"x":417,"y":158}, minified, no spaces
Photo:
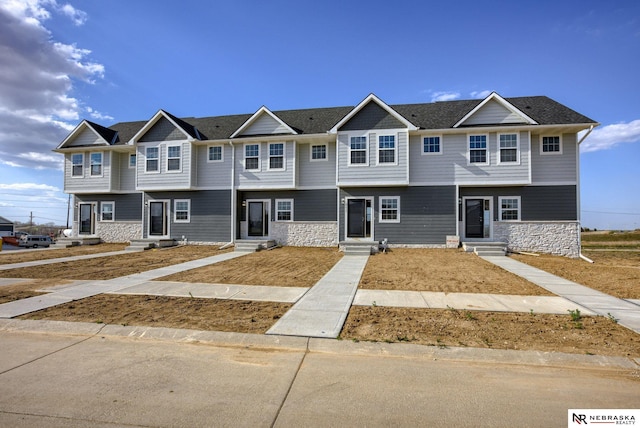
{"x":147,"y":244}
{"x":76,"y":240}
{"x":486,"y":248}
{"x":359,"y":248}
{"x":253,"y":245}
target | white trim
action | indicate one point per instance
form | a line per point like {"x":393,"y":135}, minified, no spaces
{"x":266,"y":208}
{"x":488,"y":152}
{"x":290,"y":200}
{"x":167,"y":216}
{"x":173,"y":171}
{"x":371,"y":200}
{"x":91,"y":174}
{"x":81,"y":165}
{"x":395,"y":149}
{"x":262,"y":110}
{"x":146,"y":159}
{"x":517,"y":149}
{"x":463,"y":231}
{"x":541,"y":138}
{"x":440,"y":144}
{"x":519,"y":209}
{"x":113,"y":211}
{"x":370,"y":98}
{"x":283,"y":156}
{"x":366,"y":149}
{"x":209,"y":160}
{"x":135,"y":155}
{"x":506,"y":104}
{"x":326,"y":152}
{"x":152,"y":121}
{"x":78,"y":129}
{"x":380,"y":219}
{"x":244,"y":156}
{"x":175,"y":211}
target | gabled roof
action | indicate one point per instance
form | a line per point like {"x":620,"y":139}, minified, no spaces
{"x":5,"y":221}
{"x":501,"y":102}
{"x":277,"y":125}
{"x":189,"y":131}
{"x":382,"y":104}
{"x":108,"y":136}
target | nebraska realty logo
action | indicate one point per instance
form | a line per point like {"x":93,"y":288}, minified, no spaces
{"x":599,"y":417}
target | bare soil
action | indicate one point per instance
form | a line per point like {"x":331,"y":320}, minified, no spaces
{"x":400,"y":269}
{"x":19,"y":256}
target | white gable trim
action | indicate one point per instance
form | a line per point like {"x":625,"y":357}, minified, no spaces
{"x":494,"y":96}
{"x":261,"y":111}
{"x":152,"y":122}
{"x":382,"y":104}
{"x":81,"y":127}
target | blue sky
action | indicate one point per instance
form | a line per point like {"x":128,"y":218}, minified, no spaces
{"x":122,"y":60}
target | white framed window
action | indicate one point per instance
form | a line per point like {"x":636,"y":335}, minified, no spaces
{"x":96,"y":164}
{"x":319,"y":152}
{"x":509,"y":148}
{"x":276,"y":155}
{"x":389,"y":209}
{"x":478,"y":149}
{"x":174,"y":156}
{"x":252,"y":157}
{"x":152,"y":163}
{"x":432,"y":145}
{"x":182,"y":210}
{"x":214,"y":154}
{"x":358,"y":151}
{"x":107,"y":210}
{"x":284,"y":209}
{"x":387,"y":149}
{"x":77,"y":165}
{"x":132,"y":160}
{"x":509,"y":208}
{"x":550,"y":145}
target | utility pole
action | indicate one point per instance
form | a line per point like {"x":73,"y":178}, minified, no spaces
{"x":31,"y":218}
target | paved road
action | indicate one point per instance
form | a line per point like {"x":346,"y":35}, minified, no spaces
{"x":57,"y":374}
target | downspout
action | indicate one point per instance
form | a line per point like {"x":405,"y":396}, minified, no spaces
{"x":233,"y":198}
{"x":582,"y":256}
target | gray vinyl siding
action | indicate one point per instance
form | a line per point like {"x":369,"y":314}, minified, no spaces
{"x":266,"y":125}
{"x":163,"y":130}
{"x":317,"y":173}
{"x":88,"y":183}
{"x":210,"y":219}
{"x":127,"y":175}
{"x":266,"y":178}
{"x":163,"y":179}
{"x":427,"y":214}
{"x":558,"y":168}
{"x":372,"y":116}
{"x":493,"y":113}
{"x":308,"y":205}
{"x":86,"y":138}
{"x":213,"y":174}
{"x":128,"y":207}
{"x":383,"y":174}
{"x":539,"y":203}
{"x":452,"y":165}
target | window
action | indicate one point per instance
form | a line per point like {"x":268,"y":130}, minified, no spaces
{"x":509,"y":208}
{"x":284,"y":209}
{"x":478,"y":149}
{"x":551,"y":145}
{"x":77,"y":164}
{"x":319,"y":152}
{"x":106,"y":211}
{"x":215,"y":154}
{"x":252,"y":157}
{"x":358,"y":151}
{"x":152,"y":159}
{"x":386,"y":149}
{"x":431,"y":145}
{"x":508,"y":148}
{"x":182,"y":210}
{"x":389,"y":209}
{"x":96,"y":164}
{"x":173,"y":158}
{"x":132,"y":160}
{"x":276,"y":156}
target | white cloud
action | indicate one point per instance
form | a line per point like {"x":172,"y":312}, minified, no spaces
{"x":37,"y":107}
{"x":609,"y":136}
{"x":28,"y":186}
{"x":480,"y":94}
{"x":444,"y":96}
{"x":97,"y":115}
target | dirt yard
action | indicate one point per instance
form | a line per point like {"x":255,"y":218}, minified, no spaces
{"x":436,"y":270}
{"x":19,"y":256}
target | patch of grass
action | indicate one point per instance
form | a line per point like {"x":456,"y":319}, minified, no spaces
{"x":575,"y":314}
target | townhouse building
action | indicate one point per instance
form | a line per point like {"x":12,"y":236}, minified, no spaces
{"x":495,"y":169}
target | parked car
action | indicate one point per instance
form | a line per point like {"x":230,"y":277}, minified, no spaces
{"x":34,"y":241}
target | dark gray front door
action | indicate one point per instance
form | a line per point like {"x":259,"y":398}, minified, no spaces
{"x":157,"y":219}
{"x":257,"y":219}
{"x":86,"y":219}
{"x":474,"y":218}
{"x":358,"y":218}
